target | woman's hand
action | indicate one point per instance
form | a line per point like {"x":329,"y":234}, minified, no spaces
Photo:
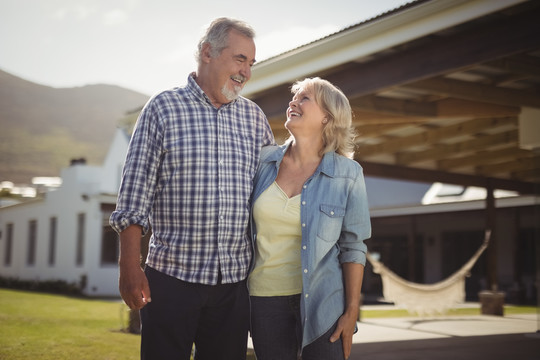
{"x":353,"y":274}
{"x":345,"y":329}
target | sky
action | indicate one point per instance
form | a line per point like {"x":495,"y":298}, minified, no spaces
{"x":149,"y":45}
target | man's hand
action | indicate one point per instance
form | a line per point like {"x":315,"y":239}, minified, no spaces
{"x":133,"y":283}
{"x":134,"y":287}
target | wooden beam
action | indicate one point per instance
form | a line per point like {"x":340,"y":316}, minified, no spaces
{"x":378,"y":107}
{"x":395,"y":106}
{"x":483,"y":41}
{"x":428,"y":176}
{"x":452,"y":107}
{"x":532,"y":175}
{"x":372,"y":118}
{"x":372,"y":130}
{"x":519,"y":64}
{"x":481,"y":157}
{"x":442,"y":151}
{"x":396,"y":144}
{"x":477,"y":92}
{"x":522,"y":164}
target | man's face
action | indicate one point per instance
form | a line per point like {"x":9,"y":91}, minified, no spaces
{"x":232,"y":68}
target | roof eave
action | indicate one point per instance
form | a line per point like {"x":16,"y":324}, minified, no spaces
{"x":368,"y":38}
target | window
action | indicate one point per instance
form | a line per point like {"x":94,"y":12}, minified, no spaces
{"x":79,"y":256}
{"x":32,"y":239}
{"x":52,"y":240}
{"x":9,"y":244}
{"x":109,"y":246}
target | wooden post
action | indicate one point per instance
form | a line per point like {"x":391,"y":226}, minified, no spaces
{"x":411,"y":239}
{"x":492,"y":249}
{"x":491,"y":300}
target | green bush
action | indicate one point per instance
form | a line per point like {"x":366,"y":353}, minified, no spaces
{"x":46,"y":286}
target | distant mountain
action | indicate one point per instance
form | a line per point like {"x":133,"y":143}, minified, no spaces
{"x":43,"y":128}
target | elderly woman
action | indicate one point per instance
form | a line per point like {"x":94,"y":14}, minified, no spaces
{"x":310,"y":218}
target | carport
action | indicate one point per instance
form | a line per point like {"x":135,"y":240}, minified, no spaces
{"x":442,"y":90}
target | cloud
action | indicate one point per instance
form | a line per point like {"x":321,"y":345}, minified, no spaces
{"x":279,"y":41}
{"x":78,"y":12}
{"x":115,"y":17}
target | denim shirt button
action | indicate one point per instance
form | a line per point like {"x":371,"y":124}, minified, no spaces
{"x":305,"y":271}
{"x":303,"y":225}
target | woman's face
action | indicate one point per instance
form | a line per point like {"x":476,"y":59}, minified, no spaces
{"x":304,"y":115}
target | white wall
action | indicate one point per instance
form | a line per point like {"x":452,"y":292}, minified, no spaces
{"x":84,"y":189}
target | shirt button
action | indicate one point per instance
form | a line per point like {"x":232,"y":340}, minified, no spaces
{"x":303,"y":225}
{"x":305,"y":186}
{"x":304,"y":247}
{"x":307,"y":295}
{"x":331,"y":213}
{"x":305,"y":271}
{"x":303,"y":203}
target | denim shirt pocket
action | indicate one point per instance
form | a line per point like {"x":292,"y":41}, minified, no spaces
{"x":330,"y":222}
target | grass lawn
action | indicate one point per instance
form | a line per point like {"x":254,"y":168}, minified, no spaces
{"x":43,"y":326}
{"x":466,"y":311}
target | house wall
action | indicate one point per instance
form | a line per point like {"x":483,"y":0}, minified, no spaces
{"x":87,"y":191}
{"x":75,"y":198}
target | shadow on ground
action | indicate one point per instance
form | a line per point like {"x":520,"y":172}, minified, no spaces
{"x":492,"y":347}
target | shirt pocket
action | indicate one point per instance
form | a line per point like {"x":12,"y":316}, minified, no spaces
{"x":242,"y":155}
{"x":330,"y":222}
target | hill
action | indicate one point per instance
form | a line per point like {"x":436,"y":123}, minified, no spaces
{"x":43,"y":128}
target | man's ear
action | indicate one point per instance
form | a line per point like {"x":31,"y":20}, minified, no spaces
{"x":205,"y":53}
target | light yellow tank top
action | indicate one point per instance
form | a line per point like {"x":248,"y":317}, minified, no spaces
{"x":277,"y":269}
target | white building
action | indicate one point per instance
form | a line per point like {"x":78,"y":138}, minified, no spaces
{"x":66,"y":234}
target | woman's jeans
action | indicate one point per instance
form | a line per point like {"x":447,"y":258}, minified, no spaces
{"x":276,"y":329}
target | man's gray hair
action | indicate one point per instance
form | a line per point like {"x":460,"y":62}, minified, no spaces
{"x":217,"y":35}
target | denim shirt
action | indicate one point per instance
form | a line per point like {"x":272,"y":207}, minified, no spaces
{"x":335,"y":221}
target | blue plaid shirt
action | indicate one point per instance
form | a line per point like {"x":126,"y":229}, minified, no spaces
{"x":189,"y":174}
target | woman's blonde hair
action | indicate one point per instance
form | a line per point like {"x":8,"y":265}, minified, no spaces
{"x":338,"y":134}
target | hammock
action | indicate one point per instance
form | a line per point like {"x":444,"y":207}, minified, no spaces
{"x":426,"y":299}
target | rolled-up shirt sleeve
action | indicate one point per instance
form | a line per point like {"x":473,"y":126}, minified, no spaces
{"x":356,"y":224}
{"x":139,"y":175}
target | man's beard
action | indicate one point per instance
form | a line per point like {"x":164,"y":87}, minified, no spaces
{"x":231,"y":94}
